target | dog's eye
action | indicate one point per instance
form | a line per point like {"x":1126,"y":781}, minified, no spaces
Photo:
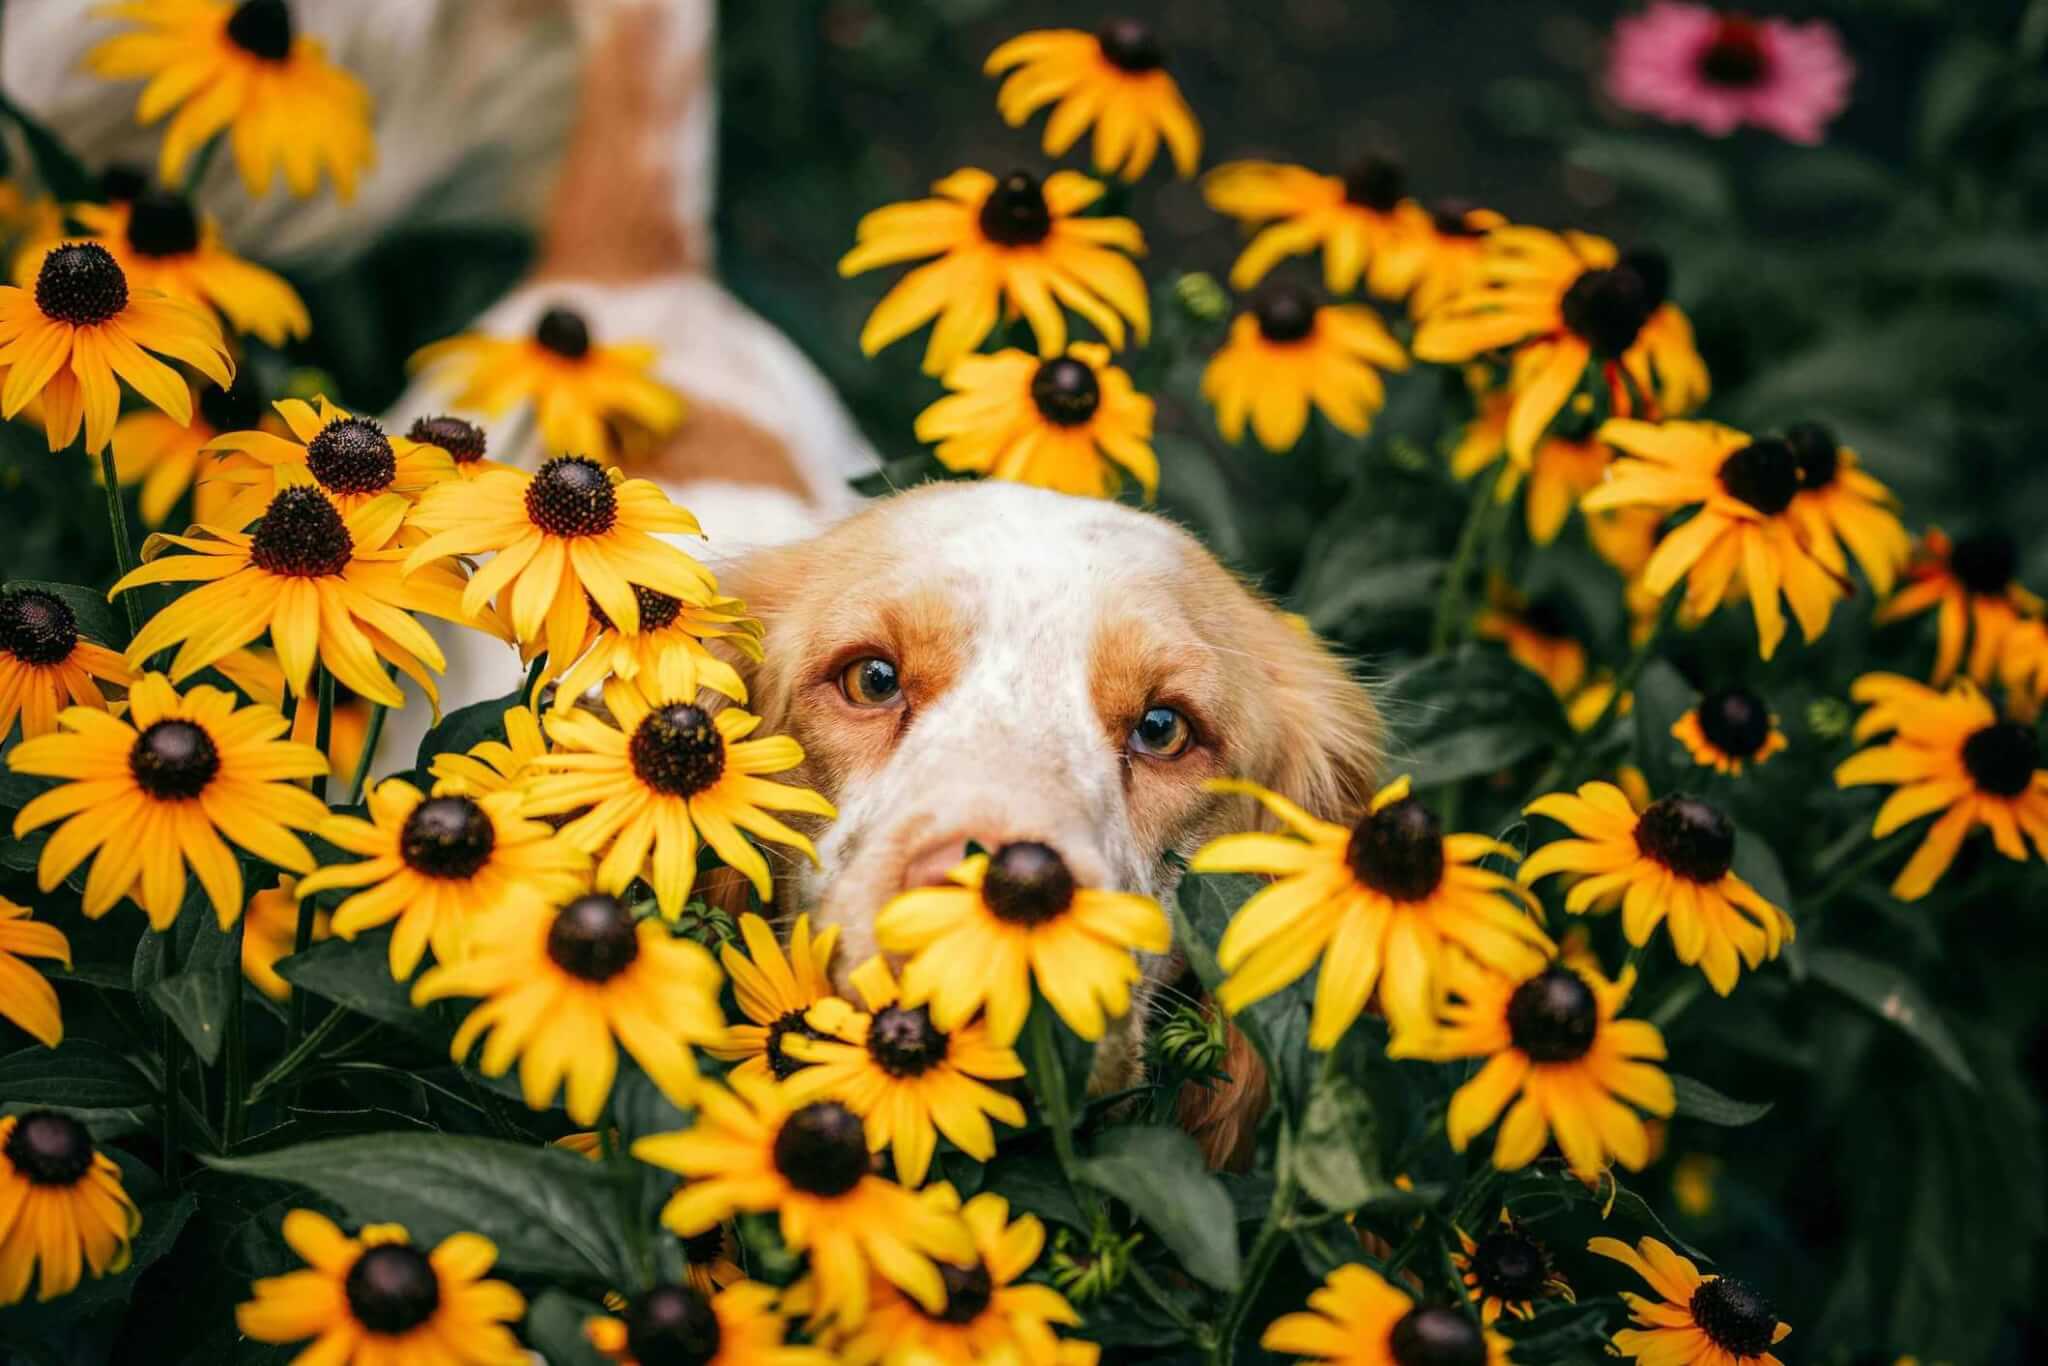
{"x":870,"y":682}
{"x":1163,"y":733}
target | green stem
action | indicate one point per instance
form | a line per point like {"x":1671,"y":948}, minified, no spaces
{"x":323,"y":738}
{"x":1051,"y":1078}
{"x":375,"y":733}
{"x":171,"y":1043}
{"x":527,"y":694}
{"x":1875,"y":854}
{"x":297,"y":1057}
{"x":235,"y":1084}
{"x":1273,"y":1233}
{"x":1450,"y":599}
{"x":302,"y":937}
{"x":124,"y":549}
{"x":203,"y":162}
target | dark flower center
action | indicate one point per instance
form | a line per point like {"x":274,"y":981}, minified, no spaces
{"x":37,"y":627}
{"x":676,"y":749}
{"x":301,"y":535}
{"x":1608,"y":307}
{"x":1066,"y":392}
{"x":50,"y":1149}
{"x":392,"y":1289}
{"x":1453,"y":218}
{"x":2002,"y":758}
{"x":1687,"y":836}
{"x":1509,"y":1266}
{"x":563,"y":331}
{"x":1376,"y":182}
{"x":236,"y":408}
{"x":1553,"y":1016}
{"x":447,"y":837}
{"x":1548,"y":617}
{"x":822,"y":1149}
{"x":903,"y":1042}
{"x":968,"y":1293}
{"x":1130,"y":46}
{"x":173,"y":760}
{"x":1734,"y":1316}
{"x":1015,"y":213}
{"x":80,"y":283}
{"x":1735,"y":55}
{"x":702,"y":1249}
{"x":162,"y":223}
{"x":1735,"y":722}
{"x":1286,"y":313}
{"x":570,"y":496}
{"x":779,"y":1062}
{"x":1985,"y":563}
{"x":657,"y":610}
{"x":1763,"y":474}
{"x":1815,"y":451}
{"x":1027,"y":884}
{"x":464,"y":441}
{"x":1431,"y":1336}
{"x":352,"y":455}
{"x":593,"y":938}
{"x":122,"y":182}
{"x":1398,"y":850}
{"x":672,"y":1325}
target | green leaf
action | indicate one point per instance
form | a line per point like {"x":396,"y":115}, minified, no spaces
{"x":1398,"y":587}
{"x":97,"y":620}
{"x":1336,"y":1153}
{"x":554,"y":1328}
{"x":1201,"y":911}
{"x":1958,"y":87}
{"x":465,"y":727}
{"x":1033,"y":1185}
{"x":197,"y":997}
{"x":79,"y":1076}
{"x":1195,"y":489}
{"x":62,"y":173}
{"x":1160,"y":1174}
{"x":1682,"y":178}
{"x":1890,"y":994}
{"x":356,"y":975}
{"x":550,"y":1213}
{"x":1697,"y":1100}
{"x":1662,"y":696}
{"x":1470,"y":712}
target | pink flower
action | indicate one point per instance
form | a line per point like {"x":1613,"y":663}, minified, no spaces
{"x":1694,"y":64}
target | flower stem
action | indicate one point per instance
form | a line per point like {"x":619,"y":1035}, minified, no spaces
{"x":171,"y":1044}
{"x":296,"y":1058}
{"x":202,"y":162}
{"x":302,"y":937}
{"x":1273,"y":1233}
{"x":124,"y":549}
{"x":323,"y":740}
{"x":235,"y":1083}
{"x":1051,"y":1079}
{"x":354,"y":792}
{"x":1450,"y":599}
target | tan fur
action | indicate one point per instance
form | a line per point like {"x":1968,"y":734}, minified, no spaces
{"x":716,"y":442}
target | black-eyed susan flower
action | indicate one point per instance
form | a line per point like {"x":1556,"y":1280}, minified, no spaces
{"x":774,"y":992}
{"x":1839,"y":504}
{"x":1014,"y":242}
{"x":1115,"y":79}
{"x":1555,"y":1048}
{"x":667,"y":626}
{"x":1000,"y":923}
{"x":1073,"y":423}
{"x":26,"y":996}
{"x":2023,"y":668}
{"x":1538,"y":634}
{"x":1948,"y":752}
{"x":1382,"y":904}
{"x":662,"y":775}
{"x":352,"y":460}
{"x":167,"y":457}
{"x":568,"y":535}
{"x":1742,"y":536}
{"x":1363,"y":220}
{"x":586,"y":396}
{"x":377,"y":1298}
{"x":63,"y":1211}
{"x":906,"y":1078}
{"x":439,"y":865}
{"x":240,"y":69}
{"x":1357,"y":1318}
{"x":1561,"y":303}
{"x":270,"y":929}
{"x":325,"y":585}
{"x":1669,"y":865}
{"x":492,"y":765}
{"x":566,"y":984}
{"x":65,"y":340}
{"x":1558,"y":473}
{"x":1727,"y":729}
{"x":753,"y":1148}
{"x":1291,"y":350}
{"x":46,"y":664}
{"x":1450,"y":254}
{"x":1508,"y":1272}
{"x":148,"y":793}
{"x":1695,"y":1320}
{"x":737,"y":1326}
{"x":461,"y":440}
{"x":1971,"y":583}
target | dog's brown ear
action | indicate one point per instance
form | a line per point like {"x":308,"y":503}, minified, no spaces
{"x":1326,"y":741}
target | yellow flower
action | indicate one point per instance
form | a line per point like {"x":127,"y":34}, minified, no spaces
{"x":998,"y":924}
{"x":1073,"y":423}
{"x":377,"y":1298}
{"x":1560,"y":303}
{"x":45,"y":662}
{"x":239,"y":68}
{"x":1013,"y":241}
{"x":565,"y":985}
{"x":1727,"y":729}
{"x":1950,"y":753}
{"x":754,"y":1149}
{"x":2023,"y":668}
{"x":1451,"y":256}
{"x":1507,"y":1272}
{"x":908,"y":1080}
{"x":1383,"y":904}
{"x":351,"y":459}
{"x":1290,"y":350}
{"x":1357,"y":1318}
{"x":462,"y":441}
{"x":1551,"y":1038}
{"x":1696,"y":1320}
{"x":1585,"y":707}
{"x":270,"y":929}
{"x":1670,"y":865}
{"x":1839,"y":504}
{"x":166,"y":456}
{"x":737,"y":1326}
{"x":774,"y":992}
{"x":64,"y":341}
{"x":581,"y":391}
{"x":61,"y":1207}
{"x":438,"y":866}
{"x":1538,"y":635}
{"x":1363,"y":221}
{"x":1560,"y":471}
{"x":667,"y":626}
{"x":26,"y":996}
{"x":1742,"y":534}
{"x":492,"y":765}
{"x":1971,"y":582}
{"x":1692,"y":1184}
{"x":1114,"y":78}
{"x":156,"y":790}
{"x":660,"y":775}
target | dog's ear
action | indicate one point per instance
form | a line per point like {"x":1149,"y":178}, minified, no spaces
{"x":1325,"y":738}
